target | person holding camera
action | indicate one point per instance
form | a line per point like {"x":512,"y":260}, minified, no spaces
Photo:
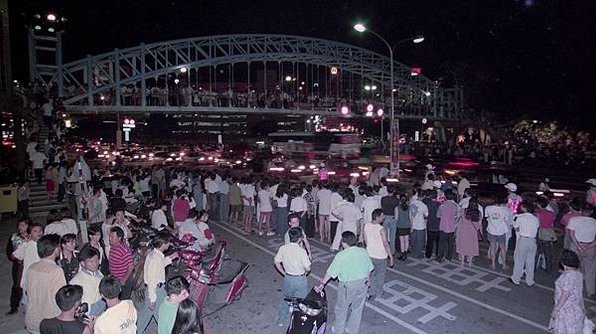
{"x":69,"y":321}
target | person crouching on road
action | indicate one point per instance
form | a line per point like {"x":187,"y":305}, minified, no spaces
{"x":352,"y":267}
{"x":293,"y":263}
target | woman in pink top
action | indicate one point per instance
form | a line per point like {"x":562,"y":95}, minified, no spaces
{"x":546,"y":235}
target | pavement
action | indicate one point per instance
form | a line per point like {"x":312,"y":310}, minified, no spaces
{"x":420,"y":297}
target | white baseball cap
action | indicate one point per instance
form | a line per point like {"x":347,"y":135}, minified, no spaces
{"x":511,"y":187}
{"x":591,"y":182}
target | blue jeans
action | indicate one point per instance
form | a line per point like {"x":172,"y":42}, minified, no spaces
{"x":280,"y":218}
{"x":224,"y":207}
{"x":391,"y":227}
{"x":293,"y":286}
{"x":145,"y":314}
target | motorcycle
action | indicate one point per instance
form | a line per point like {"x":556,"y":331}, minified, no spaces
{"x":309,"y":315}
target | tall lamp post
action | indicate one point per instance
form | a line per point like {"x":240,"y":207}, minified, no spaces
{"x":393,"y":151}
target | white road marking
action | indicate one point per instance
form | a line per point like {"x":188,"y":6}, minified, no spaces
{"x":422,"y":281}
{"x":334,"y":286}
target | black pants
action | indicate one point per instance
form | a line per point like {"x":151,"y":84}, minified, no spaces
{"x":547,"y":248}
{"x":23,"y":209}
{"x":61,"y":192}
{"x":432,"y":243}
{"x":16,"y":293}
{"x":38,"y":174}
{"x":446,"y":246}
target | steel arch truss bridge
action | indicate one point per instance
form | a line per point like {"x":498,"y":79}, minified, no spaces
{"x":242,"y":74}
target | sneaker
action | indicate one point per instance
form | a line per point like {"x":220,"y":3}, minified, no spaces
{"x":512,"y":282}
{"x":269,"y":234}
{"x":12,"y":311}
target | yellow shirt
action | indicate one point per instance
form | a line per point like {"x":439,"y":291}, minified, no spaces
{"x":44,"y":279}
{"x":118,"y":319}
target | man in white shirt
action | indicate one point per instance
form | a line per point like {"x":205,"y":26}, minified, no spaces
{"x":154,"y":276}
{"x":159,"y":221}
{"x":526,"y":228}
{"x":89,"y":278}
{"x":369,"y":204}
{"x":418,"y":217}
{"x":336,"y":200}
{"x":350,"y":218}
{"x":293,"y":263}
{"x":27,"y":251}
{"x":582,"y":232}
{"x":323,"y":198}
{"x":212,"y":195}
{"x":120,"y":316}
{"x":37,"y":161}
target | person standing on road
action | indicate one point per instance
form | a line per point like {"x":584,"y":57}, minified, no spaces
{"x":404,"y":226}
{"x":448,"y":214}
{"x":14,"y":242}
{"x":499,"y":218}
{"x":235,"y":195}
{"x":468,"y":230}
{"x":265,"y":209}
{"x":388,"y":204}
{"x":377,"y":246}
{"x":568,"y":313}
{"x":526,"y":228}
{"x":248,"y":199}
{"x":154,"y":276}
{"x":418,"y":217}
{"x":582,"y":232}
{"x":350,"y":219}
{"x":120,"y":260}
{"x":280,"y":202}
{"x":323,"y":199}
{"x":224,"y":200}
{"x":432,"y":224}
{"x":369,"y":204}
{"x":293,"y":263}
{"x":44,"y":279}
{"x":89,"y":277}
{"x":352,"y":267}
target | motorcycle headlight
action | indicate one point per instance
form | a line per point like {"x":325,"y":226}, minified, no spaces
{"x":313,"y":312}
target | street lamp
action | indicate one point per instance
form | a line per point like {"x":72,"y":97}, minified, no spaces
{"x":392,"y":149}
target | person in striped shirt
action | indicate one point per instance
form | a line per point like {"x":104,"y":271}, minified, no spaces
{"x":120,"y":260}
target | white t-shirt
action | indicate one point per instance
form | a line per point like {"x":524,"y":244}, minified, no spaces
{"x":248,"y":191}
{"x":298,"y":204}
{"x":336,"y":200}
{"x":120,"y":318}
{"x":265,"y":201}
{"x":282,"y":202}
{"x":499,"y":219}
{"x":293,"y":258}
{"x":584,"y":228}
{"x":324,"y":200}
{"x":527,"y":224}
{"x":37,"y":160}
{"x":158,"y":219}
{"x":418,"y":215}
{"x":212,"y":186}
{"x":350,"y":215}
{"x":369,"y":204}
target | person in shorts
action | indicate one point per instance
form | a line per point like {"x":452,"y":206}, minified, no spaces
{"x":499,"y":218}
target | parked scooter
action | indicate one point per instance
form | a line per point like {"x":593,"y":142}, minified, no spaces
{"x":309,"y":315}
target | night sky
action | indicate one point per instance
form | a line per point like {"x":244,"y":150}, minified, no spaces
{"x":527,"y":57}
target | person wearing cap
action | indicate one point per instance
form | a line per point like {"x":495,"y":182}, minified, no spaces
{"x":430,"y":170}
{"x":526,"y":226}
{"x":582,"y":232}
{"x":293,"y":263}
{"x":513,"y":199}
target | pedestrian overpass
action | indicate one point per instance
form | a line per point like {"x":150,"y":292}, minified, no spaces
{"x":245,"y":73}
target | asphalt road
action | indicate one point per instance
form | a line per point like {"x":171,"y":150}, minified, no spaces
{"x":420,"y":297}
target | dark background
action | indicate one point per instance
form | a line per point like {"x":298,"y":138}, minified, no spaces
{"x":528,"y":58}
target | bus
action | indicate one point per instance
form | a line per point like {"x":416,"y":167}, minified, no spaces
{"x":313,"y":144}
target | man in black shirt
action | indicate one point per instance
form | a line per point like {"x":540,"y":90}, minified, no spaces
{"x":68,"y":299}
{"x":432,"y":224}
{"x":117,"y":203}
{"x":388,"y":204}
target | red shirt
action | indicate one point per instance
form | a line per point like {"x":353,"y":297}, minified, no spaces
{"x":180,"y":209}
{"x":119,"y":260}
{"x":546,"y":218}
